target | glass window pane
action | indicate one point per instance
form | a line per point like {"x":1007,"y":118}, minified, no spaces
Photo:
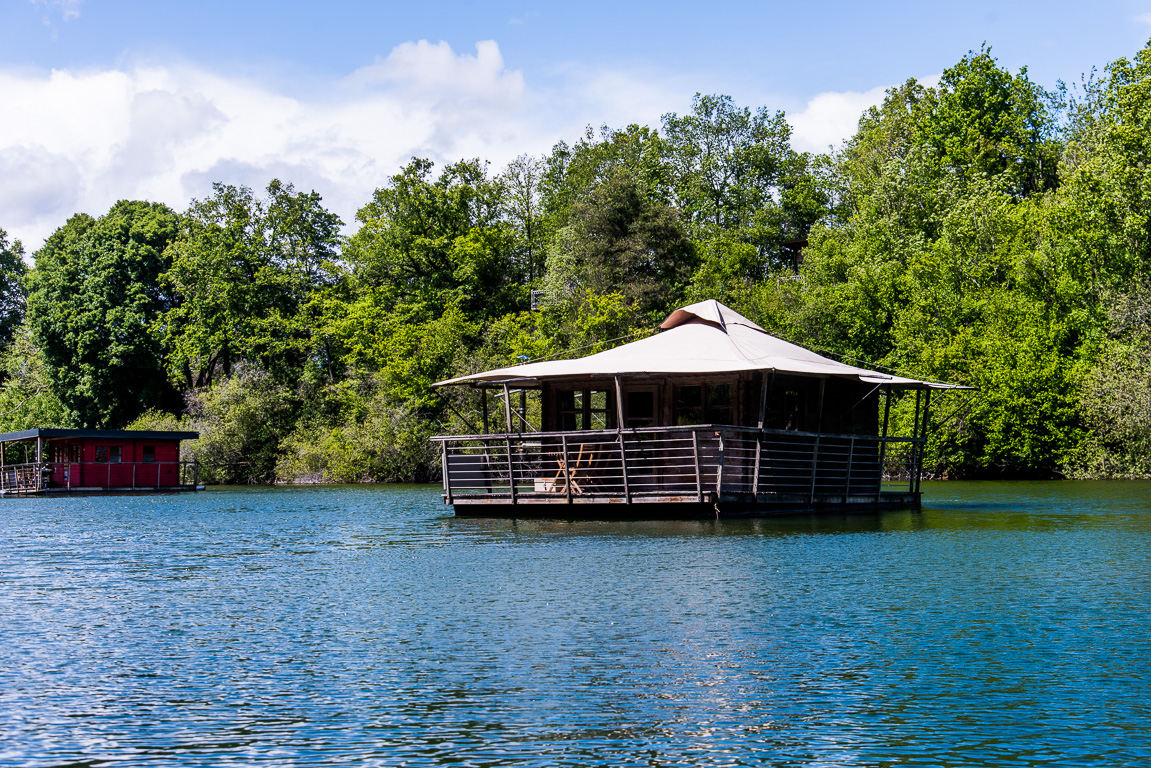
{"x":102,"y":454}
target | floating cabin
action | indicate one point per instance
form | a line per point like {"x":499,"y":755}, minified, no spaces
{"x":46,"y":461}
{"x":710,"y":416}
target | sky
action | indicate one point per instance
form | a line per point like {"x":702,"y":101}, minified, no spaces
{"x":102,"y":101}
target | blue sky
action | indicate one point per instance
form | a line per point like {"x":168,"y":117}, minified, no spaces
{"x":106,"y":100}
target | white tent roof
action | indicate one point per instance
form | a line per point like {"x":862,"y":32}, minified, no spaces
{"x":699,"y":339}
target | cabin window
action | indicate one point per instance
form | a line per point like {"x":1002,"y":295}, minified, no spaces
{"x":102,"y":454}
{"x":704,"y":404}
{"x":149,"y":454}
{"x":640,"y":411}
{"x":688,"y":405}
{"x":720,"y":404}
{"x":59,"y":454}
{"x":115,"y":454}
{"x":583,"y":409}
{"x":74,"y":454}
{"x":792,"y":409}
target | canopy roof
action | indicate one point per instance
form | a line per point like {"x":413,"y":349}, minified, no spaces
{"x":703,"y":338}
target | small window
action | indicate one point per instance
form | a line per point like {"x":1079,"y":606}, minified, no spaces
{"x":584,"y":409}
{"x":114,"y":454}
{"x":74,"y":454}
{"x":102,"y":454}
{"x":149,"y":454}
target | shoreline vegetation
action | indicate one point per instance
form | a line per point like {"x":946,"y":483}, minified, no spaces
{"x":983,"y":231}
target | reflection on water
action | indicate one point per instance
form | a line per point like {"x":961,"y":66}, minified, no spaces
{"x":1003,"y":625}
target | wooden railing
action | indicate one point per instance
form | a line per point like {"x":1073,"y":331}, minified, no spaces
{"x":677,"y":464}
{"x":34,"y":477}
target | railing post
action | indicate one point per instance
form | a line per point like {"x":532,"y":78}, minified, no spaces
{"x":923,"y":439}
{"x":719,"y":471}
{"x":698,"y":479}
{"x":511,"y":470}
{"x":567,"y":468}
{"x":847,"y":482}
{"x":814,"y":468}
{"x":758,"y":459}
{"x":445,"y":470}
{"x":623,"y":468}
{"x":883,"y":443}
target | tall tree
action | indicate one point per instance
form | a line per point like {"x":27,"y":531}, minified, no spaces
{"x":12,"y":298}
{"x":621,"y":241}
{"x":245,"y":271}
{"x":95,"y":295}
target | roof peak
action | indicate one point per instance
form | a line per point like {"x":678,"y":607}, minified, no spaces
{"x":710,"y":312}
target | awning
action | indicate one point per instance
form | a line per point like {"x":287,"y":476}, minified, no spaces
{"x":703,"y":338}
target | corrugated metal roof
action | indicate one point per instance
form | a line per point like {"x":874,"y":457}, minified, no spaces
{"x":111,"y":434}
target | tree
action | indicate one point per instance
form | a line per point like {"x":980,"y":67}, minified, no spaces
{"x":621,"y":241}
{"x":94,"y":297}
{"x":12,"y":297}
{"x":245,"y":272}
{"x":440,"y":242}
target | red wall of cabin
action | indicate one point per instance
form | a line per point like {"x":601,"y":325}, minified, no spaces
{"x":131,"y":472}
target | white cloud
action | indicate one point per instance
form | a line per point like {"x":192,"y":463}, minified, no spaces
{"x":69,"y":9}
{"x":830,"y":118}
{"x":84,"y":139}
{"x":1143,"y":18}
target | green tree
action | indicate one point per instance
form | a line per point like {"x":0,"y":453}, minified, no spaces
{"x":248,"y":274}
{"x":621,"y":241}
{"x":12,"y":297}
{"x":94,"y":297}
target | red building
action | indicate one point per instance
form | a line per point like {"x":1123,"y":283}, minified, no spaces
{"x":61,"y":460}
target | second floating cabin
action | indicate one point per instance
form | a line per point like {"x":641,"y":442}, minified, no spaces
{"x":37,"y":461}
{"x":711,"y":415}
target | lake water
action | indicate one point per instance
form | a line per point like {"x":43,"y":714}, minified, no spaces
{"x":1004,"y":625}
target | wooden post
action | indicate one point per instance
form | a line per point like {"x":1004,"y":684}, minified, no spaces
{"x":883,"y":441}
{"x":511,"y":468}
{"x":523,"y":410}
{"x":765,"y":385}
{"x":618,"y":404}
{"x":914,"y":468}
{"x":134,"y":476}
{"x":719,"y":471}
{"x":447,"y":474}
{"x":623,"y":467}
{"x":923,"y":433}
{"x":507,"y":410}
{"x":567,"y":468}
{"x":37,"y":466}
{"x":484,"y":406}
{"x":847,"y":482}
{"x":619,"y":423}
{"x":698,"y":479}
{"x":814,"y":464}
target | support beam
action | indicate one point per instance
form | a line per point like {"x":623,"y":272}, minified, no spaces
{"x":619,"y":422}
{"x":507,"y":410}
{"x":883,"y":440}
{"x":484,"y":406}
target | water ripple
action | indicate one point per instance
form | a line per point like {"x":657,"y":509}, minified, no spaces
{"x":1005,"y":625}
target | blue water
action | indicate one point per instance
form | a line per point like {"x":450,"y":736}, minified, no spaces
{"x":1006,"y":625}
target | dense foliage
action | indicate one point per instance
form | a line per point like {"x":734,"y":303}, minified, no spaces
{"x":981,"y":231}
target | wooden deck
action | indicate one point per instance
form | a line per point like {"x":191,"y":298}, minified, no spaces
{"x":699,"y":470}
